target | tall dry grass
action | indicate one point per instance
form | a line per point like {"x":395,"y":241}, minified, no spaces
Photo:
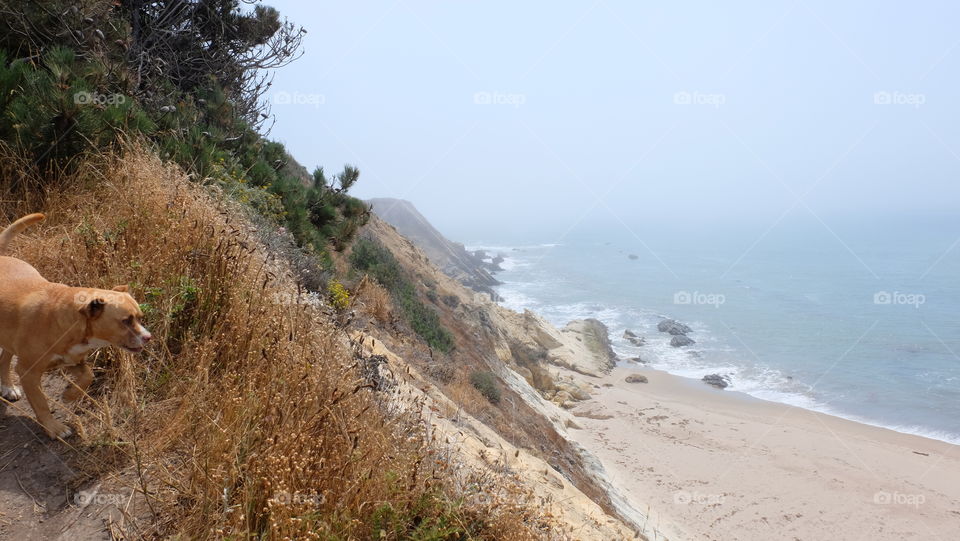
{"x":247,"y":417}
{"x":374,"y":299}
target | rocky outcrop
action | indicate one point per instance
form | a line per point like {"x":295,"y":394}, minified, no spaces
{"x":543,"y":334}
{"x":567,"y":393}
{"x":678,"y":331}
{"x":562,"y":399}
{"x":487,"y":261}
{"x":632,"y":337}
{"x":718,"y":381}
{"x":673,"y":327}
{"x":595,"y":338}
{"x":582,"y":346}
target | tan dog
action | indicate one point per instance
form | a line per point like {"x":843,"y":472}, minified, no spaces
{"x":49,"y":326}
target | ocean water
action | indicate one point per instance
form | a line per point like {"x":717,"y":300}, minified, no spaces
{"x":859,"y":320}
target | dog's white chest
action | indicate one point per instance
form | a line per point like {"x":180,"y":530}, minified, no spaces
{"x":83,"y":349}
{"x":76,"y":353}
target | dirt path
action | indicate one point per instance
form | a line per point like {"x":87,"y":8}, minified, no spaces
{"x":36,"y":498}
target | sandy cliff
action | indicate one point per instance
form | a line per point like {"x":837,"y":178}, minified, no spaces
{"x":528,"y":432}
{"x":471,"y":444}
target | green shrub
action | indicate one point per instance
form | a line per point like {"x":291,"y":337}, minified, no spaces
{"x":376,"y":260}
{"x":428,"y":518}
{"x":82,"y":95}
{"x":486,"y":383}
{"x":60,"y":106}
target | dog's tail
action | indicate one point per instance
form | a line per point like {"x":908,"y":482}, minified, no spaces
{"x":16,"y":227}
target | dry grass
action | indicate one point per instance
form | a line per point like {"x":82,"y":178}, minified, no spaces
{"x":374,"y":299}
{"x":247,"y":417}
{"x":466,"y":396}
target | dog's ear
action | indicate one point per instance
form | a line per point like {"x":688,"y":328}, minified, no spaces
{"x":94,"y":308}
{"x":122,"y":289}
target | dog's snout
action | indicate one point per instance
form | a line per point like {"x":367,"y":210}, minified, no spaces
{"x":146,"y":336}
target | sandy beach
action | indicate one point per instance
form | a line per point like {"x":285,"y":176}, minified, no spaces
{"x":713,"y":464}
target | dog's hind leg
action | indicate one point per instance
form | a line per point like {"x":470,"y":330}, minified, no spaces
{"x":82,"y":376}
{"x":8,"y":389}
{"x":31,"y":387}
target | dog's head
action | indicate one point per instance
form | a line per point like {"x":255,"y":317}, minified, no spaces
{"x":114,"y":316}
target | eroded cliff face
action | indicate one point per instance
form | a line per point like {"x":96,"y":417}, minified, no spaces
{"x":526,"y":430}
{"x":450,"y":257}
{"x":471,"y":444}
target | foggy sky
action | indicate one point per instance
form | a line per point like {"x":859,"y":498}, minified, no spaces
{"x":557,"y":114}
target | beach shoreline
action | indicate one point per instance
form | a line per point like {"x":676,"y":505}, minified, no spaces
{"x":713,"y":464}
{"x":680,"y":459}
{"x":808,"y":340}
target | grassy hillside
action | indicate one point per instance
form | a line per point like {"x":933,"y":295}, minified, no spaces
{"x":250,"y":417}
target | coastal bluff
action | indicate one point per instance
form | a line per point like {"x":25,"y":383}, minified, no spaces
{"x":533,"y":363}
{"x":450,"y":257}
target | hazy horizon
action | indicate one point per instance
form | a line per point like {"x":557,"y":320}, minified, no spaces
{"x":622,"y":114}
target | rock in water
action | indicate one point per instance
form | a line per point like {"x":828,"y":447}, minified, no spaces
{"x":632,"y":337}
{"x":718,"y":381}
{"x":636,"y":378}
{"x":673,"y":327}
{"x":680,"y":341}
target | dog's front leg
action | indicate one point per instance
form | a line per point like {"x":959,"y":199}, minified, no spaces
{"x":82,"y":376}
{"x":7,"y":388}
{"x":30,"y":380}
